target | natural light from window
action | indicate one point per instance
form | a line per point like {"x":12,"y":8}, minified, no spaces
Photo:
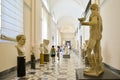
{"x":44,"y":24}
{"x":11,"y":19}
{"x":0,"y":16}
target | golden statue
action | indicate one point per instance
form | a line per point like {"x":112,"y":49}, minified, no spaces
{"x":95,"y":60}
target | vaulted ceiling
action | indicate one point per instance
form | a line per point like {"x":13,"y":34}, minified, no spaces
{"x":67,"y":12}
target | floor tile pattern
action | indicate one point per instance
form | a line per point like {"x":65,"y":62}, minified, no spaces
{"x":64,"y":69}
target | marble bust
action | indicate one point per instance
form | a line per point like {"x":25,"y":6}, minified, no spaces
{"x":20,"y":45}
{"x":41,"y":48}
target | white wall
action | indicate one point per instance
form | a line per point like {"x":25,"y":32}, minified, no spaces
{"x":8,"y":54}
{"x":32,"y":31}
{"x":68,"y":37}
{"x":110,"y":13}
{"x":27,"y":27}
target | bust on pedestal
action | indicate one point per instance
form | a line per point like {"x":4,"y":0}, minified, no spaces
{"x":21,"y":72}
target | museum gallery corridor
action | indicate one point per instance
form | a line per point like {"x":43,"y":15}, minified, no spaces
{"x":31,"y":27}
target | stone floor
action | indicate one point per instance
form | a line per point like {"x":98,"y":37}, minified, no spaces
{"x":64,"y":69}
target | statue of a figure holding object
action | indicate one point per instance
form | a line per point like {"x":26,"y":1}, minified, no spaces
{"x":95,"y":60}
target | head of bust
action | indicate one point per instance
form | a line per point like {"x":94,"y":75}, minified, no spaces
{"x":94,"y":7}
{"x":21,"y":39}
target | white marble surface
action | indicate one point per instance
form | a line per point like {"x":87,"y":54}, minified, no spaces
{"x":64,"y":69}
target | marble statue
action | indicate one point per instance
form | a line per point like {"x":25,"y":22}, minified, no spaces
{"x":66,"y":50}
{"x":20,"y":45}
{"x":95,"y":60}
{"x":41,"y":48}
{"x":32,"y":50}
{"x":45,"y":44}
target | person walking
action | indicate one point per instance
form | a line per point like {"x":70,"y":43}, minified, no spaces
{"x":58,"y":52}
{"x":53,"y":53}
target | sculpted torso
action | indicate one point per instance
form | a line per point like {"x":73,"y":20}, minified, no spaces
{"x":21,"y":50}
{"x":96,"y":25}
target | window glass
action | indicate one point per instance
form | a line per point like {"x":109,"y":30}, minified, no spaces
{"x":11,"y":18}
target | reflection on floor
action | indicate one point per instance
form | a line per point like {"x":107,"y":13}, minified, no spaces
{"x":64,"y":69}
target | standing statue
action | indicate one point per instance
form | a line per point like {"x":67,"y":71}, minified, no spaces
{"x":20,"y":45}
{"x":95,"y":60}
{"x":45,"y":44}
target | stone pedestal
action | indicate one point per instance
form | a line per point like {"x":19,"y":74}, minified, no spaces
{"x":46,"y":57}
{"x":106,"y":75}
{"x":66,"y":56}
{"x":21,"y":69}
{"x":32,"y":62}
{"x":41,"y":58}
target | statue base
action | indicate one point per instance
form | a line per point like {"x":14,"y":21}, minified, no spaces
{"x":21,"y":69}
{"x":66,"y":56}
{"x":108,"y":74}
{"x":41,"y":58}
{"x":46,"y":58}
{"x":94,"y":73}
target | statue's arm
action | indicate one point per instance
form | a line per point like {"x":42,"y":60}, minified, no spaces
{"x":92,"y":22}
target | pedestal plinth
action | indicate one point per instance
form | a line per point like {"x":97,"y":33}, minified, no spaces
{"x":66,"y":56}
{"x":46,"y":57}
{"x":21,"y":69}
{"x":32,"y":62}
{"x":41,"y":58}
{"x":106,"y":75}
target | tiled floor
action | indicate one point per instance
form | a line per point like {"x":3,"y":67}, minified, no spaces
{"x":64,"y":69}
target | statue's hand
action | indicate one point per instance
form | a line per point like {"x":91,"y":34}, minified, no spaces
{"x":81,"y":19}
{"x":82,"y":23}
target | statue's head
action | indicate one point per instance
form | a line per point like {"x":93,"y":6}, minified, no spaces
{"x":45,"y":41}
{"x":41,"y":45}
{"x":21,"y":39}
{"x":94,"y":7}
